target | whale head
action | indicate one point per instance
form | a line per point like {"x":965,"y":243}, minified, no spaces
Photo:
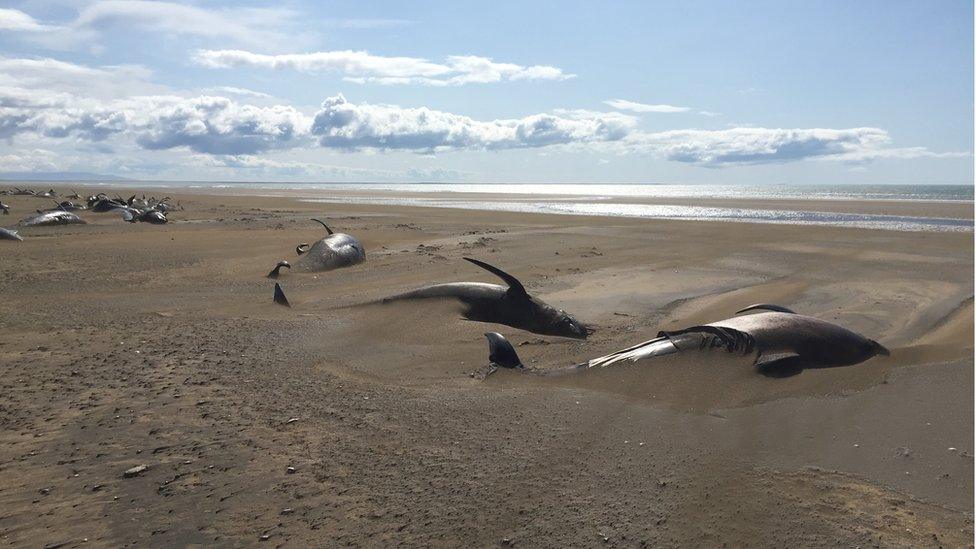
{"x":875,"y":348}
{"x":548,"y":320}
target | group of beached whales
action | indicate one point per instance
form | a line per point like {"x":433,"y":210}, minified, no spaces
{"x":782,"y":341}
{"x":133,"y":209}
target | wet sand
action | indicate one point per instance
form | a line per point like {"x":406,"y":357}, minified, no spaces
{"x":125,"y":345}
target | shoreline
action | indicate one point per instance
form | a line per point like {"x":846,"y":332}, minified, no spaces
{"x":873,"y":214}
{"x":289,"y":189}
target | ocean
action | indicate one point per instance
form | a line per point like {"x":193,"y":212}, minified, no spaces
{"x":635,"y":200}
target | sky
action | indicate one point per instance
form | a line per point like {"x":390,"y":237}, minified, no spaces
{"x":785,"y":92}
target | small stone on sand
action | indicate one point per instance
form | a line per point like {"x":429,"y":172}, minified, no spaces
{"x":135,"y":471}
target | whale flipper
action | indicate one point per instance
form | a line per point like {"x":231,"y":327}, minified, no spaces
{"x":501,"y":353}
{"x":515,"y":287}
{"x":279,"y":296}
{"x":784,"y":364}
{"x":767,"y":307}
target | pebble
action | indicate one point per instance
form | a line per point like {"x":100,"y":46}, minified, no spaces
{"x":287,"y":511}
{"x":135,"y":471}
{"x":291,"y":471}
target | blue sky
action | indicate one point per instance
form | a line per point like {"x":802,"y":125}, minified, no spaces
{"x":667,"y":92}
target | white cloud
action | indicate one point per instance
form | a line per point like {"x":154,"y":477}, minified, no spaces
{"x":351,"y":63}
{"x":45,"y":76}
{"x":44,"y":101}
{"x":869,"y":155}
{"x":244,"y":92}
{"x":266,"y":27}
{"x":346,"y":125}
{"x":366,"y":23}
{"x":213,"y":125}
{"x":246,"y":25}
{"x":223,"y":127}
{"x":217,"y":125}
{"x":24,"y":98}
{"x":736,"y":146}
{"x":16,"y":20}
{"x":364,"y":67}
{"x":33,"y":160}
{"x":634,"y":106}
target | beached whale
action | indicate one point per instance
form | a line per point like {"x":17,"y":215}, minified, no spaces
{"x":101,"y":205}
{"x":9,"y":234}
{"x":69,"y":206}
{"x":335,"y":251}
{"x":53,"y":217}
{"x":133,"y":215}
{"x":510,"y":305}
{"x":784,"y":343}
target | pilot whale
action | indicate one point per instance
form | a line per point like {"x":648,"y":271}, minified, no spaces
{"x":510,"y":304}
{"x":784,"y":343}
{"x":335,"y":251}
{"x":52,"y":217}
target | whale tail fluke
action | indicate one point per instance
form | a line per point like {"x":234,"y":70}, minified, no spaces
{"x":279,"y":296}
{"x":501,"y":354}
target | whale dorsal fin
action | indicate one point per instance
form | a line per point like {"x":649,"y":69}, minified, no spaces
{"x":279,"y":296}
{"x":514,"y":286}
{"x":327,"y":229}
{"x":767,"y":307}
{"x":501,"y":353}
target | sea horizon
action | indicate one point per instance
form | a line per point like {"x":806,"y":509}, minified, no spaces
{"x":788,"y":204}
{"x":799,"y":191}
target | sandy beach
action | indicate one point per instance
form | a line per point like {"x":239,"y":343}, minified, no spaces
{"x":337,"y":422}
